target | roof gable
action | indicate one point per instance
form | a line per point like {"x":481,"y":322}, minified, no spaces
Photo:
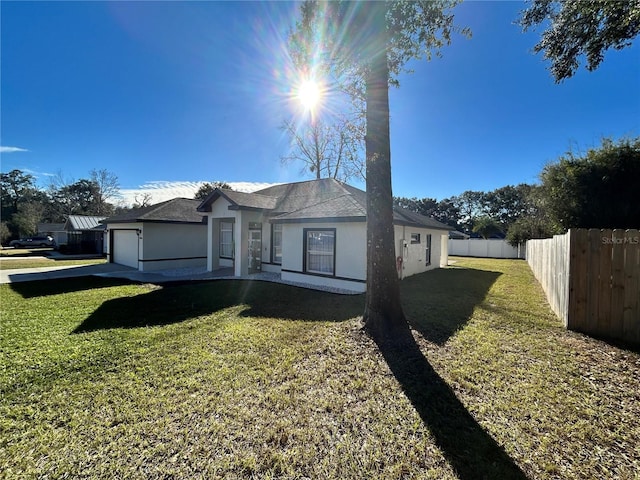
{"x":238,"y":200}
{"x":176,"y":210}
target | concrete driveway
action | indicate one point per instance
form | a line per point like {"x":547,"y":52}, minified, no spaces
{"x":52,"y":273}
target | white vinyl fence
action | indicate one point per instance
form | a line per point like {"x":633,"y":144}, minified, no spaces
{"x":477,"y":247}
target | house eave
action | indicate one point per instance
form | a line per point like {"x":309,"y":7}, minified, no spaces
{"x":402,"y":223}
{"x":320,"y":220}
{"x":173,"y":222}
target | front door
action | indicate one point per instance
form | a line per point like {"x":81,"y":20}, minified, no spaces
{"x":255,"y":251}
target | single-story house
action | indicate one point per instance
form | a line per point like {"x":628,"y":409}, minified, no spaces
{"x":85,"y":234}
{"x":166,"y":235}
{"x":312,"y":232}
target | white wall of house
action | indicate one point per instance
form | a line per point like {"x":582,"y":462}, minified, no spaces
{"x":158,"y":246}
{"x":169,"y":246}
{"x":219,"y":213}
{"x":414,"y":255}
{"x":350,"y":255}
{"x":478,"y":247}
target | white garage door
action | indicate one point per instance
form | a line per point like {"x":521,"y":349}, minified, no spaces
{"x":125,"y":248}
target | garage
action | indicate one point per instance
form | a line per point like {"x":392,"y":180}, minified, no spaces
{"x":165,"y":236}
{"x":125,"y":247}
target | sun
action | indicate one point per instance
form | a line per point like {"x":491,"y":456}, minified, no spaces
{"x":309,"y":94}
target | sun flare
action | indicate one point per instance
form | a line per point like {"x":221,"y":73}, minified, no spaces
{"x":309,"y":94}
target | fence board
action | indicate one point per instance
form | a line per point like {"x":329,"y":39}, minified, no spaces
{"x":578,"y":279}
{"x":593,"y":286}
{"x":617,"y":284}
{"x":631,"y":309}
{"x":604,"y":304}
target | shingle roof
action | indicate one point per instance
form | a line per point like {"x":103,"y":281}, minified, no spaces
{"x":315,"y":200}
{"x":407,"y":217}
{"x":239,"y":200}
{"x":176,"y":210}
{"x":342,"y":207}
{"x":83,"y":222}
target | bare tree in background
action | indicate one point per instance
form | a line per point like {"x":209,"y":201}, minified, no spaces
{"x":142,"y":200}
{"x":328,"y":150}
{"x":107,"y":188}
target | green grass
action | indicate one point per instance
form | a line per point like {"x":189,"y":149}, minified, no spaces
{"x":24,"y":252}
{"x":35,"y":262}
{"x":104,"y":379}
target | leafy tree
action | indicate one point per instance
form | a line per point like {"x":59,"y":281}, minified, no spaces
{"x":14,"y":186}
{"x":79,"y":198}
{"x":596,"y":190}
{"x":5,"y":233}
{"x":83,"y":197}
{"x":443,"y":211}
{"x":207,"y":188}
{"x":326,"y":150}
{"x":448,"y":213}
{"x":579,"y":28}
{"x":529,"y":227}
{"x":20,"y":201}
{"x":470,"y":205}
{"x":25,"y":220}
{"x":507,"y":204}
{"x":486,"y":227}
{"x":366,"y":46}
{"x":535,"y":220}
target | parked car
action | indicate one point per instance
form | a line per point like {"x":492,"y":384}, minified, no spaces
{"x":33,"y":242}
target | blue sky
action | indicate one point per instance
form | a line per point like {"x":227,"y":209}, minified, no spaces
{"x":169,"y":94}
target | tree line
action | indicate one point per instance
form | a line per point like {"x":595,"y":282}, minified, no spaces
{"x":24,"y":205}
{"x":596,"y":189}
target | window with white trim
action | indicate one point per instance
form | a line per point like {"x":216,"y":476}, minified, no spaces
{"x":428,"y":252}
{"x":226,"y":239}
{"x":415,"y":238}
{"x":276,"y":243}
{"x":320,"y":251}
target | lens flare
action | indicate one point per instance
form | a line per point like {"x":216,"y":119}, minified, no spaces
{"x":309,"y":94}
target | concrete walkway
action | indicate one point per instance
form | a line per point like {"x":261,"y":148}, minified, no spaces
{"x":67,"y":271}
{"x":112,"y":270}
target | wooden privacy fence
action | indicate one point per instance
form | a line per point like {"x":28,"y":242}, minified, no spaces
{"x":592,"y":280}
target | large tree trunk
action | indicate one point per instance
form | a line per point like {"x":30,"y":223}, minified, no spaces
{"x":383,"y":315}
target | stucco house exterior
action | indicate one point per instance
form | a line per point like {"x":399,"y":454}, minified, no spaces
{"x":167,"y":235}
{"x":312,"y":232}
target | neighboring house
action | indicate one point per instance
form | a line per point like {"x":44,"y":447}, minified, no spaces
{"x":457,"y":235}
{"x":312,"y":232}
{"x":55,"y":230}
{"x":85,"y":234}
{"x":167,"y":235}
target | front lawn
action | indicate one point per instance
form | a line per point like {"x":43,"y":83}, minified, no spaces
{"x":16,"y":262}
{"x":231,"y":379}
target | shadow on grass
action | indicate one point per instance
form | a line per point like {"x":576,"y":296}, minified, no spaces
{"x":52,"y":286}
{"x":438,"y":303}
{"x":468,"y":448}
{"x":179,"y":302}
